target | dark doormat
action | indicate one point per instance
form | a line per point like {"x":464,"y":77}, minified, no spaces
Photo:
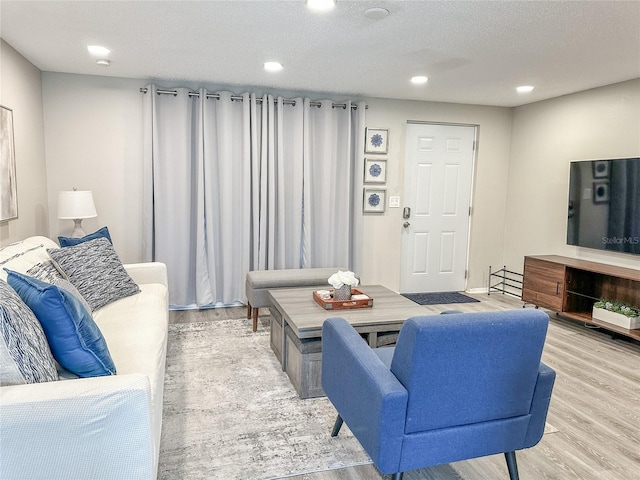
{"x":439,"y":298}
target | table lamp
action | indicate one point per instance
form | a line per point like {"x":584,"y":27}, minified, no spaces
{"x":76,"y":205}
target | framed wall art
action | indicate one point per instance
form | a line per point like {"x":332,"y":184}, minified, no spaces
{"x":601,"y":169}
{"x":8,"y":189}
{"x":601,"y":192}
{"x":376,"y":140}
{"x":375,"y":171}
{"x":374,"y":200}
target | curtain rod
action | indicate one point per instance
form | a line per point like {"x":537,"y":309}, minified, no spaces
{"x":286,"y":101}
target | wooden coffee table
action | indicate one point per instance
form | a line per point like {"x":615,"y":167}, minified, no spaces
{"x":299,"y":350}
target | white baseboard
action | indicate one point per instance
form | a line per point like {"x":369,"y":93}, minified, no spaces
{"x":477,"y":290}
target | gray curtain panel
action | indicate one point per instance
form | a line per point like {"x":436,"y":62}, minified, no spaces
{"x":624,"y":210}
{"x":238,"y":182}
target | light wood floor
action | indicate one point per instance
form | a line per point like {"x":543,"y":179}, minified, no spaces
{"x":595,"y":407}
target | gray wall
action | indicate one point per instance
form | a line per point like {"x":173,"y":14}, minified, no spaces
{"x":599,"y":123}
{"x":21,"y":91}
{"x":383,"y":233}
{"x":93,"y":131}
{"x":94,"y":141}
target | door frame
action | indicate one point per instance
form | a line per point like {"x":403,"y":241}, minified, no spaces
{"x":474,"y":161}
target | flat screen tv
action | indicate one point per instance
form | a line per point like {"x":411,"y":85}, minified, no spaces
{"x":604,"y":205}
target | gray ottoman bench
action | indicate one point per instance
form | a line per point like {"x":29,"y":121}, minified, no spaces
{"x":259,"y":282}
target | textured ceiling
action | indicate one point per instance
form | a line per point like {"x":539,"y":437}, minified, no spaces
{"x":473,"y":52}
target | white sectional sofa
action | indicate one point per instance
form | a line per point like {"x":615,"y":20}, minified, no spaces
{"x":105,"y":427}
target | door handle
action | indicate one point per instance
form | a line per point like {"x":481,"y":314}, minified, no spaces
{"x":406,"y":224}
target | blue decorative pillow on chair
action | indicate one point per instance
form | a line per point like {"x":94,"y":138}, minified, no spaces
{"x":75,"y":340}
{"x":69,"y":241}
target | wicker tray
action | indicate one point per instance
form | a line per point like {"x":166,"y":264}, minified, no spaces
{"x":331,"y":304}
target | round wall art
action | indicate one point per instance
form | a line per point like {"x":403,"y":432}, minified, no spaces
{"x":375,"y":171}
{"x":376,"y":140}
{"x":374,"y":200}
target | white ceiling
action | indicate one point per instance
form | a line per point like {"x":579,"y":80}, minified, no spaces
{"x":473,"y":52}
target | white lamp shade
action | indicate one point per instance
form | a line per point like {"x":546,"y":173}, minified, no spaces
{"x":76,"y":204}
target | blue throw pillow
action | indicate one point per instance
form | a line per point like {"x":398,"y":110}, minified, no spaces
{"x":69,"y":241}
{"x":75,"y":340}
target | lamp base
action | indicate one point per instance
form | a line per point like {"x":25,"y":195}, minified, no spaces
{"x":78,"y":232}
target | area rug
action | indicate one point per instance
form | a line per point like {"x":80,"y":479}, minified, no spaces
{"x":230,"y":412}
{"x":439,"y":298}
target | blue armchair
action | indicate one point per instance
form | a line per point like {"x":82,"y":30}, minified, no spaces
{"x":454,"y":387}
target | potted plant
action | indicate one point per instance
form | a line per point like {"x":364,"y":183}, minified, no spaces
{"x":618,"y":313}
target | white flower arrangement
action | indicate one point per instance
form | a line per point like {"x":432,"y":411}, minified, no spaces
{"x":341,"y":278}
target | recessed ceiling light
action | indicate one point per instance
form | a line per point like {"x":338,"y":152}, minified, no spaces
{"x":321,"y":5}
{"x":419,"y":79}
{"x":376,"y":13}
{"x":525,"y":89}
{"x":272,"y":66}
{"x":98,"y":51}
{"x":103,"y":62}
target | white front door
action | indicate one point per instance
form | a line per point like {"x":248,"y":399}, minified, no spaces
{"x":437,"y":190}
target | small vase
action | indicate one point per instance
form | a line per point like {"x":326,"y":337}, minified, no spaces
{"x":342,"y":293}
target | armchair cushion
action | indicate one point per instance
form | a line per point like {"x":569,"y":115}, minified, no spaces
{"x":454,"y":357}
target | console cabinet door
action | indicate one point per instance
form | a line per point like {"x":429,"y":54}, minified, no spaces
{"x":543,"y":283}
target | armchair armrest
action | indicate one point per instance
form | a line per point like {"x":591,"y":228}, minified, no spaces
{"x":367,"y":396}
{"x":96,"y":428}
{"x":148,"y":272}
{"x":540,"y":405}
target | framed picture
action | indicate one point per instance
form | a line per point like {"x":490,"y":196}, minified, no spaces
{"x":375,"y":171}
{"x":601,"y":169}
{"x":374,"y":200}
{"x":8,"y":189}
{"x":600,"y":192}
{"x":376,"y":140}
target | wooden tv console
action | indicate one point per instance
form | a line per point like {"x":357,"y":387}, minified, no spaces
{"x":570,"y":287}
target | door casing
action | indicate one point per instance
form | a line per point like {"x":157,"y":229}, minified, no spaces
{"x":439,"y":168}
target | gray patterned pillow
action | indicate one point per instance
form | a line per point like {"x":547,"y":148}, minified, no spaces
{"x":47,"y":272}
{"x":25,"y":356}
{"x":94,"y":268}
